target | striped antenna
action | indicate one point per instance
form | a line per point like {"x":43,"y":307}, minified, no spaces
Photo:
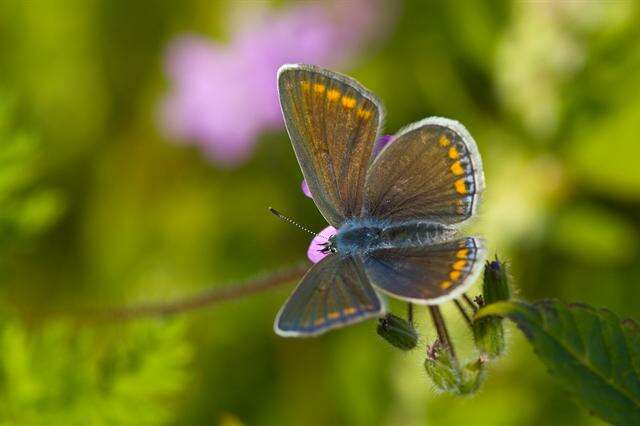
{"x":284,"y":218}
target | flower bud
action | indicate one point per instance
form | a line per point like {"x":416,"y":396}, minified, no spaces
{"x":489,"y":332}
{"x":448,"y":376}
{"x":398,"y":331}
{"x":496,"y":282}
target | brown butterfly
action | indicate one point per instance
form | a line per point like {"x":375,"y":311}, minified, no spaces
{"x":397,"y":214}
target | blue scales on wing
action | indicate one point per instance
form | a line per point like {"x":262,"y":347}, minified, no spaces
{"x":335,"y":292}
{"x":430,"y":172}
{"x":333,"y":123}
{"x":428,"y":274}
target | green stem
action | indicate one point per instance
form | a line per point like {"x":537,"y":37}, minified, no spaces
{"x":463,"y":312}
{"x":470,"y":302}
{"x":410,"y":313}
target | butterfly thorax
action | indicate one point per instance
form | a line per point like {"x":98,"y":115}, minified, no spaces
{"x":359,"y":236}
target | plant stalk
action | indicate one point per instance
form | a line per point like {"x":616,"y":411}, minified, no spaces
{"x":463,"y":312}
{"x":441,"y":328}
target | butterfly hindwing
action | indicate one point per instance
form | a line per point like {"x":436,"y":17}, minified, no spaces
{"x":430,"y":172}
{"x":333,"y":122}
{"x":335,"y":292}
{"x":428,"y":274}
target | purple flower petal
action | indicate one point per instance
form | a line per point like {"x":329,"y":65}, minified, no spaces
{"x":315,"y":251}
{"x":381,"y":143}
{"x":305,"y":189}
{"x":223,"y":96}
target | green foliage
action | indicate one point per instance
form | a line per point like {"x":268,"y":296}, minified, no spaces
{"x":620,"y":126}
{"x":594,"y":235}
{"x":592,"y":353}
{"x":27,"y":208}
{"x":59,"y":374}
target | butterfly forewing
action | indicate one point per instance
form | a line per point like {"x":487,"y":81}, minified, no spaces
{"x":430,"y":172}
{"x":332,"y":122}
{"x":334,"y":293}
{"x":428,"y":274}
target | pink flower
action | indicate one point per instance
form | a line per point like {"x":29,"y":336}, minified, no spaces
{"x":317,"y":249}
{"x":305,"y":188}
{"x":223,"y":96}
{"x":381,"y":143}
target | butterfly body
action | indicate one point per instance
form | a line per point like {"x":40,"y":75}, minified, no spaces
{"x":361,"y":236}
{"x":398,"y":213}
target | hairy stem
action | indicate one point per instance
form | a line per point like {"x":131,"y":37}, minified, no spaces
{"x":470,"y":302}
{"x":463,"y":312}
{"x":441,"y":328}
{"x":410,"y":313}
{"x":204,"y":299}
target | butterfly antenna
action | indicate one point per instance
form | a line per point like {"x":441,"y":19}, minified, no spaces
{"x":291,"y":221}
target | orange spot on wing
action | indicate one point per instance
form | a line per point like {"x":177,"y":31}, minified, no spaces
{"x":318,"y":88}
{"x":456,"y":168}
{"x":459,"y":265}
{"x":445,"y":284}
{"x":349,"y":311}
{"x":348,"y":102}
{"x":462,"y":254}
{"x":333,"y":315}
{"x":454,"y":275}
{"x":333,"y":94}
{"x":461,"y":188}
{"x":363,"y":113}
{"x":319,"y":321}
{"x":444,"y":141}
{"x":453,"y":153}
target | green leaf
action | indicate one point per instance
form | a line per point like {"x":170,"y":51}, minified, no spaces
{"x":591,"y":352}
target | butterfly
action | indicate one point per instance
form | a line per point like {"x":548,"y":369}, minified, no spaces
{"x":397,"y":214}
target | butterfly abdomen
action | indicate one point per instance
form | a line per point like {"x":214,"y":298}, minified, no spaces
{"x":361,"y":236}
{"x":416,"y":234}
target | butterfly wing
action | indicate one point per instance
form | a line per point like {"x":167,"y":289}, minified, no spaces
{"x":429,"y":274}
{"x":430,"y":172}
{"x":333,"y":122}
{"x":334,"y":293}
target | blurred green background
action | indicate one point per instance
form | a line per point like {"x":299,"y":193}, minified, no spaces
{"x":99,"y":208}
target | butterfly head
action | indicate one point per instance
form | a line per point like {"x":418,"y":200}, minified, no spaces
{"x":330,"y":246}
